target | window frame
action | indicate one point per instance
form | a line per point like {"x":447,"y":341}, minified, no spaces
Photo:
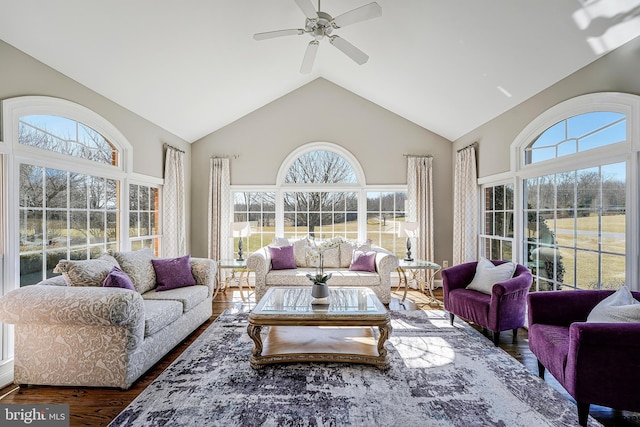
{"x":627,"y":152}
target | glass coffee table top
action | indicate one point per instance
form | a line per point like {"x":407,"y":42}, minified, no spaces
{"x":297,"y":300}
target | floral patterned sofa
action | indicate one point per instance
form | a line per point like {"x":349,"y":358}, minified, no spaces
{"x":338,"y":255}
{"x":80,"y":329}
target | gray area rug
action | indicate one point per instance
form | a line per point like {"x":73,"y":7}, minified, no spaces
{"x":440,"y":376}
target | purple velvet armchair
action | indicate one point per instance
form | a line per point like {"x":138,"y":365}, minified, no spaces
{"x":503,"y":310}
{"x":596,"y":363}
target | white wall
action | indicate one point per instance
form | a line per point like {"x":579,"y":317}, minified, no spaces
{"x":322,"y":111}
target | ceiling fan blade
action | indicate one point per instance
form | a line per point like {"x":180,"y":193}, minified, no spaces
{"x":350,"y":50}
{"x":307,"y":8}
{"x":363,"y":13}
{"x":278,"y":33}
{"x":309,"y":57}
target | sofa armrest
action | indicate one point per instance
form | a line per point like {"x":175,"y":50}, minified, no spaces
{"x":386,"y":262}
{"x":204,"y":271}
{"x":75,"y":305}
{"x":260,"y":263}
{"x":602,"y":363}
{"x":72,"y":305}
{"x":562,"y":308}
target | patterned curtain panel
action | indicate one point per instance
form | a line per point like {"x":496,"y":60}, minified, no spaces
{"x":420,"y":206}
{"x":174,"y":242}
{"x":219,"y":210}
{"x":465,"y":207}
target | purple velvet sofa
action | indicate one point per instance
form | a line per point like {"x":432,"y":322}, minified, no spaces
{"x":503,"y":310}
{"x":596,"y":363}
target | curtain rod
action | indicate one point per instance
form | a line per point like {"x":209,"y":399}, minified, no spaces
{"x":175,"y":148}
{"x":418,"y":155}
{"x":474,"y":144}
{"x":226,"y":156}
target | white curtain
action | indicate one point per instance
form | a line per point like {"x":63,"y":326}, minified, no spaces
{"x":465,"y":207}
{"x":420,"y":206}
{"x":219,"y":210}
{"x":174,"y":241}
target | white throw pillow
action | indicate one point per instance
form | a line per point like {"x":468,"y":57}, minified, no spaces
{"x":618,"y":307}
{"x":488,"y":275}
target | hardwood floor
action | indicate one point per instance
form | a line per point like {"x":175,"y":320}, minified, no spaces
{"x":98,"y":406}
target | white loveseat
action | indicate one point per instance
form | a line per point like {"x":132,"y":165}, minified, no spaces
{"x":90,"y":335}
{"x":336,"y":261}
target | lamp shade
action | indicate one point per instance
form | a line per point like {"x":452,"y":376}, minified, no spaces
{"x":240,"y":229}
{"x":407,"y":229}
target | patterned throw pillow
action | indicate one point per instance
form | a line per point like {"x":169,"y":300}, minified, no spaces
{"x":137,"y":265}
{"x":118,"y":279}
{"x":346,"y":251}
{"x":90,"y":272}
{"x":172,"y":273}
{"x":300,"y":252}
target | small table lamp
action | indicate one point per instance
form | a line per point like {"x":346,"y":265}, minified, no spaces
{"x":409,"y":229}
{"x":240,"y":230}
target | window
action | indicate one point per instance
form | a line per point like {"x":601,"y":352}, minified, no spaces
{"x":576,"y":228}
{"x":577,"y":134}
{"x":496,"y":237}
{"x":144,"y":218}
{"x":384,"y":211}
{"x":66,"y":136}
{"x":320,"y":191}
{"x":63,"y":215}
{"x":259,"y":209}
{"x":572,"y":165}
{"x":70,"y":172}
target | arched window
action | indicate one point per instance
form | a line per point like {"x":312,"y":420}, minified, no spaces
{"x":71,"y":172}
{"x":321,"y":191}
{"x":573,"y":167}
{"x":66,"y":136}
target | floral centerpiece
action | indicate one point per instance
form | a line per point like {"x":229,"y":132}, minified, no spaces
{"x":320,"y":289}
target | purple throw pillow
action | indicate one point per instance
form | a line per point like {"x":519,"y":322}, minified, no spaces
{"x":363,"y":261}
{"x":282,"y":258}
{"x":118,"y":279}
{"x":173,"y":273}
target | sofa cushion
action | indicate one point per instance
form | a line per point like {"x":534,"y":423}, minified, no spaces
{"x":340,"y":277}
{"x":550,"y":344}
{"x":90,"y":272}
{"x":160,"y":313}
{"x":137,"y":265}
{"x":190,"y":296}
{"x":173,"y":273}
{"x":618,"y":307}
{"x":282,"y":257}
{"x":346,"y":251}
{"x":488,"y":275}
{"x":363,"y":261}
{"x":118,"y":279}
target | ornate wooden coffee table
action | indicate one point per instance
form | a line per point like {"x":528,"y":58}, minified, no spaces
{"x":341,"y":331}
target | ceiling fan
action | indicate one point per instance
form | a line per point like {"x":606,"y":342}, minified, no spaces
{"x":320,"y":25}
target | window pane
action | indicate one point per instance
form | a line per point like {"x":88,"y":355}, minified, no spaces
{"x":320,"y":167}
{"x":66,"y":136}
{"x":31,"y":186}
{"x":577,"y":134}
{"x":56,"y":189}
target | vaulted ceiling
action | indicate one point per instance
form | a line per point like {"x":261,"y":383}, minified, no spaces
{"x":192,"y":66}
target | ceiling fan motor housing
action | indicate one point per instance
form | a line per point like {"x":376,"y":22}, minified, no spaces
{"x":320,"y":27}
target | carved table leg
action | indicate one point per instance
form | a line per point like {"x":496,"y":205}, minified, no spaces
{"x":385,"y":331}
{"x":254,"y":334}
